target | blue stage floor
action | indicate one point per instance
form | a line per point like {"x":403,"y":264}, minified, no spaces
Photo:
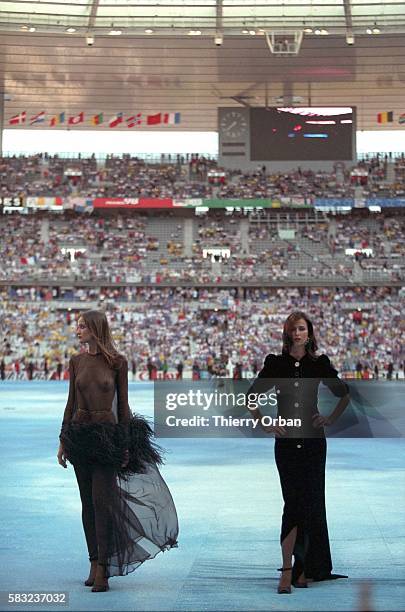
{"x":229,"y":503}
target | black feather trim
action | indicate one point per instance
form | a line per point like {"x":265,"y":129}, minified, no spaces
{"x":106,"y":443}
{"x":142,"y":449}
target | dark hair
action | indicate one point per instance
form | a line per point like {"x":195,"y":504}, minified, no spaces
{"x":311,"y":346}
{"x":97,"y":324}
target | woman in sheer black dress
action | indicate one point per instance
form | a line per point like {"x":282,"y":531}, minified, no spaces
{"x":127,"y":511}
{"x":300,"y":452}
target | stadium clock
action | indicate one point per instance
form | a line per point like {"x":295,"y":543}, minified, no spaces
{"x":233,"y":124}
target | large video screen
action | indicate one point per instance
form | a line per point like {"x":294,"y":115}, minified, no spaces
{"x":302,"y":133}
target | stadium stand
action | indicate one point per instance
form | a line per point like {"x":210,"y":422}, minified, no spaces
{"x":198,"y":289}
{"x":45,"y":175}
{"x":200,"y":325}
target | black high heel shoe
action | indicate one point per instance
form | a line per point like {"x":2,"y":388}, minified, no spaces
{"x":287,"y":589}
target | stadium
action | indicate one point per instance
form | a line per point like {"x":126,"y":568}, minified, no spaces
{"x":197,"y":172}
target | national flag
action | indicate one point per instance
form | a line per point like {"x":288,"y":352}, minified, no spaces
{"x":154,"y":119}
{"x":134,"y":120}
{"x":16,"y":119}
{"x":171,"y":118}
{"x":115,"y":120}
{"x":40,"y":118}
{"x":97,"y":119}
{"x":386,"y":117}
{"x":401,"y":118}
{"x":75,"y":119}
{"x":57,"y":119}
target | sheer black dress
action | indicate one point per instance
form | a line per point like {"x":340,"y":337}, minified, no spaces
{"x":128,"y":513}
{"x":301,"y":455}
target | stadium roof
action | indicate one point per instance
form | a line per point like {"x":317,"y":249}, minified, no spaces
{"x":174,"y":17}
{"x":147,"y":57}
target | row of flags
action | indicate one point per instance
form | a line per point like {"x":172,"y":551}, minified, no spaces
{"x":116,"y":120}
{"x":388,"y":117}
{"x":132,"y":121}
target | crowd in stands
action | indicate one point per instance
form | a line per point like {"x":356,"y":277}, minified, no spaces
{"x":261,"y":184}
{"x":377,"y":185}
{"x":127,"y":249}
{"x":385,"y":237}
{"x":332,"y":245}
{"x":40,"y":175}
{"x":200,"y":328}
{"x":114,"y":177}
{"x":126,"y":176}
{"x":203,"y":327}
{"x":123,"y":177}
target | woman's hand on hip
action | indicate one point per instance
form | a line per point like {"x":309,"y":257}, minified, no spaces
{"x":277,"y":430}
{"x":61,"y":456}
{"x":318,"y":420}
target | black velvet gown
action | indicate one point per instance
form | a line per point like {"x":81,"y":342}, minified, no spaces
{"x":301,"y":455}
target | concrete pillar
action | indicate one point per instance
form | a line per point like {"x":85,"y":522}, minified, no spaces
{"x":188,"y":237}
{"x":44,"y":237}
{"x":244,"y":236}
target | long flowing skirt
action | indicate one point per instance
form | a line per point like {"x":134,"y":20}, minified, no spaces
{"x":144,"y":521}
{"x":143,"y":515}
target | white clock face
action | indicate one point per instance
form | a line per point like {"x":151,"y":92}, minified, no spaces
{"x":233,"y":124}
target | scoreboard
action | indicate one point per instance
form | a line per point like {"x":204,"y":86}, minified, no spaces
{"x":256,"y":135}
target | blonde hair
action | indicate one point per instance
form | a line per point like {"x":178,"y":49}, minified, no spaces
{"x":97,"y":324}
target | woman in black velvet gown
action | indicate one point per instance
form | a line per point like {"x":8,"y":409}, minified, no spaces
{"x":300,"y":452}
{"x":128,"y":513}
